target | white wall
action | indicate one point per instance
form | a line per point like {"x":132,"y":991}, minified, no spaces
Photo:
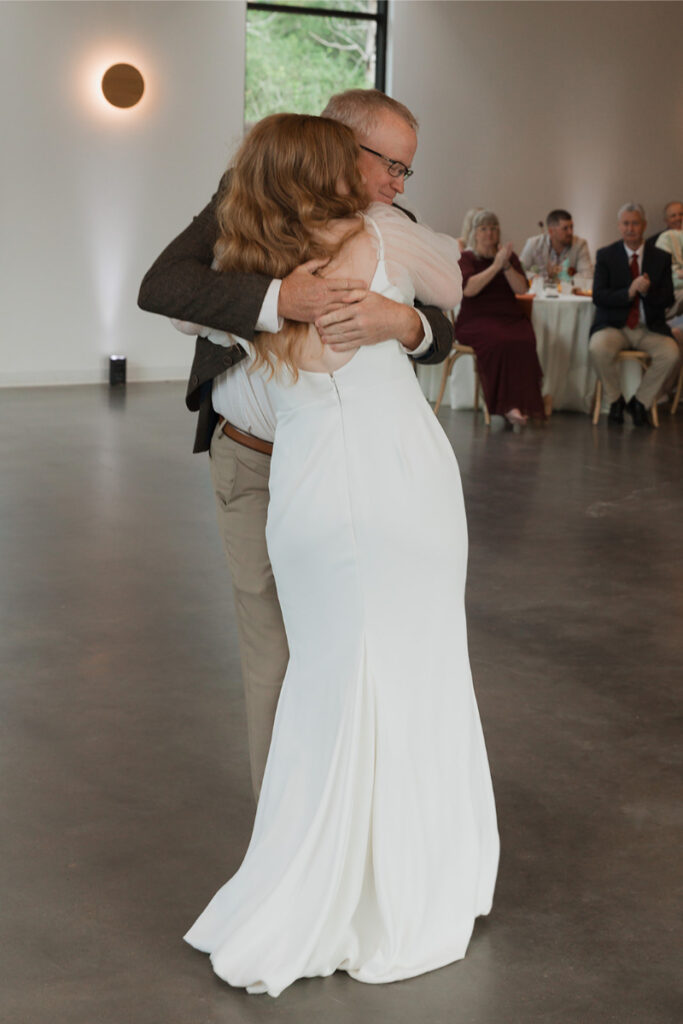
{"x":529,"y":106}
{"x":91,"y":194}
{"x":524,"y":106}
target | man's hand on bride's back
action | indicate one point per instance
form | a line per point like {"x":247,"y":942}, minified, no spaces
{"x":304,"y":296}
{"x":372,"y":319}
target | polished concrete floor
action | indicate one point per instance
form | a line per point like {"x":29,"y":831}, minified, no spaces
{"x":125,"y":797}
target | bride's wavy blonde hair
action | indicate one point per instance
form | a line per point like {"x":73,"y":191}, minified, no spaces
{"x":280,"y":195}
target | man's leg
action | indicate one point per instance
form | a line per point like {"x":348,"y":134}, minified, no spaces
{"x":240,"y":480}
{"x":605,"y":345}
{"x":663,"y":352}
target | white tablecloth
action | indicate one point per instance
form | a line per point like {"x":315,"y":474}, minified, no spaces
{"x":562,"y":327}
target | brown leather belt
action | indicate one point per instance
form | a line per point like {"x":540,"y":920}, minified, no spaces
{"x":255,"y":443}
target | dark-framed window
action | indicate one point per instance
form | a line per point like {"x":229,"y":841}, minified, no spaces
{"x":298,"y":54}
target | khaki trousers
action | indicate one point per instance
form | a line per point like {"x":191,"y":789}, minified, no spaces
{"x":605,"y":346}
{"x":240,"y":481}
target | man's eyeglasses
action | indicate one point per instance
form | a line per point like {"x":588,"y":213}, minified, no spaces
{"x":394,"y":167}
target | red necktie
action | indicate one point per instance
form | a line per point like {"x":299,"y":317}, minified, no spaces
{"x":634,"y":312}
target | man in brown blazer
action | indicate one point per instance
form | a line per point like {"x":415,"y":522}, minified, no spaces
{"x":181,"y":284}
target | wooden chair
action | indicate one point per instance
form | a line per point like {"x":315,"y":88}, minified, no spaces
{"x":526,"y":303}
{"x":679,"y":388}
{"x":626,"y":354}
{"x":456,"y":352}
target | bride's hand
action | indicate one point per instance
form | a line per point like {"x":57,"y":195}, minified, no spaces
{"x":305,"y":297}
{"x":372,"y":319}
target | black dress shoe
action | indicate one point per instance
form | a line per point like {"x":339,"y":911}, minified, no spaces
{"x":638,"y":413}
{"x":616,"y":411}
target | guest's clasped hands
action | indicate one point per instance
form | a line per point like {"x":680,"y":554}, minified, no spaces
{"x":640,"y":284}
{"x":502,"y":257}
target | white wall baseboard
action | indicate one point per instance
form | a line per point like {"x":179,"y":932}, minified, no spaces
{"x":61,"y":378}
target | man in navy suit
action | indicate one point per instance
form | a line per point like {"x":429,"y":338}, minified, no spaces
{"x":632,"y":289}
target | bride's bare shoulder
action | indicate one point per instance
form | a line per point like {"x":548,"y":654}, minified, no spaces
{"x":337,"y":230}
{"x":357,"y":256}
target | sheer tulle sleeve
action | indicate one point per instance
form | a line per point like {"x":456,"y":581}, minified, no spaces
{"x":422,"y":263}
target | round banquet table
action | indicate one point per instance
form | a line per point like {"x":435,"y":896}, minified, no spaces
{"x":562,"y":328}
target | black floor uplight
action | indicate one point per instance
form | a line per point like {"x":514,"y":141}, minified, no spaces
{"x":117,"y":371}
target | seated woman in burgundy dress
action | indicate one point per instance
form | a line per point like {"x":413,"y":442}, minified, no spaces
{"x":497,"y":328}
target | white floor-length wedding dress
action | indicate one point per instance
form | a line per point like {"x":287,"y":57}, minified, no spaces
{"x":375,"y":843}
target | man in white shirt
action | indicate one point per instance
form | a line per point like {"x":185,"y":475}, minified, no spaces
{"x":547,"y":253}
{"x":235,"y":422}
{"x":632,"y":289}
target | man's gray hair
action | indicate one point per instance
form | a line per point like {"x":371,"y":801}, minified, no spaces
{"x":631,"y":208}
{"x":359,"y":109}
{"x":481,"y":220}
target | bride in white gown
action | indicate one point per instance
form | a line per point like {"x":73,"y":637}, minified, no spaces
{"x":375,"y":844}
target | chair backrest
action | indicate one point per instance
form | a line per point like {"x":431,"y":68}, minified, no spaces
{"x":526,"y":302}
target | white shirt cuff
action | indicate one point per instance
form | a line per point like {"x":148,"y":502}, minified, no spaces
{"x":268,"y":318}
{"x":426,"y":342}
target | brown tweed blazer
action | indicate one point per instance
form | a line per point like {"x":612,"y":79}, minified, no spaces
{"x":181,"y":284}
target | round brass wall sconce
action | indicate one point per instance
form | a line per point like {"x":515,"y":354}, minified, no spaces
{"x":123,"y":85}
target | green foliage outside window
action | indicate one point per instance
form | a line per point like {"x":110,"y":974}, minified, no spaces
{"x":295,"y":62}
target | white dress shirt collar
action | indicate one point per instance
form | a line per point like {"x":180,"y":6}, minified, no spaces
{"x":637,"y":252}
